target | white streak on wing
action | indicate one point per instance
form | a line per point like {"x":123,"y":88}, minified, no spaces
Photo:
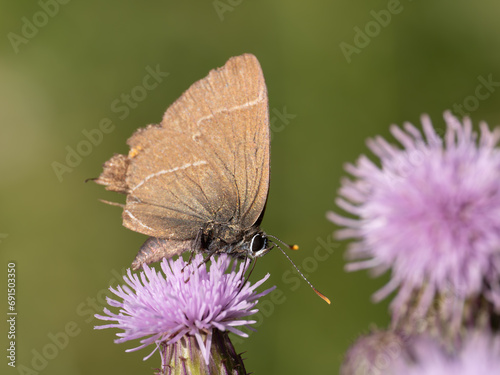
{"x":137,"y":220}
{"x":259,"y":99}
{"x":156,"y":174}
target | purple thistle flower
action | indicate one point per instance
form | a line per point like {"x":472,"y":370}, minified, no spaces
{"x":393,"y":353}
{"x":431,"y":213}
{"x":373,"y":354}
{"x":479,"y":354}
{"x":188,"y":300}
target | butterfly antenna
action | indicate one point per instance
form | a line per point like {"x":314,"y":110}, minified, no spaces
{"x":295,"y":247}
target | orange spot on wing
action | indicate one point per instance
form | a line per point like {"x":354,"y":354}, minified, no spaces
{"x":134,"y":152}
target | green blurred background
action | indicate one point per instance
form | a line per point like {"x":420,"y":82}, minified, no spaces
{"x":61,"y":78}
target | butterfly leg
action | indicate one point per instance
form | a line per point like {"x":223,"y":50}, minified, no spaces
{"x":251,"y":270}
{"x":195,"y":246}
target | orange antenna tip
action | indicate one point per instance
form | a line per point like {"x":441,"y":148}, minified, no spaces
{"x":294,"y":247}
{"x":323,"y":297}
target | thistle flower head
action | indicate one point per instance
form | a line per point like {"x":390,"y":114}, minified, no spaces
{"x":430,"y":212}
{"x":373,"y":354}
{"x":394,"y":353}
{"x":185,"y":300}
{"x":478,"y":354}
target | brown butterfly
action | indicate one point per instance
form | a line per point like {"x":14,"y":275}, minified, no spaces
{"x":199,"y":180}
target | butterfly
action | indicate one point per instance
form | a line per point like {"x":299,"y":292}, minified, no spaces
{"x":199,"y":180}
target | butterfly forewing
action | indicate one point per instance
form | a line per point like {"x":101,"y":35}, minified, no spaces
{"x":226,"y":114}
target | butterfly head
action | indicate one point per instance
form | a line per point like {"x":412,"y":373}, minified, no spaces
{"x":254,"y":245}
{"x":259,"y":245}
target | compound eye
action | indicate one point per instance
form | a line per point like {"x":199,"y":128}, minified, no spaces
{"x":258,"y":243}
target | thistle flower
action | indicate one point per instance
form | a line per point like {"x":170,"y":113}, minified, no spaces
{"x":430,"y":213}
{"x":186,"y":309}
{"x":478,"y":354}
{"x":373,"y":354}
{"x":394,"y":353}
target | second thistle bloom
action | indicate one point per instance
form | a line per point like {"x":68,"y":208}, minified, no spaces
{"x":430,"y":212}
{"x":393,"y":353}
{"x":479,"y":353}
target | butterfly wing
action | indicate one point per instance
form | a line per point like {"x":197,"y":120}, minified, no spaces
{"x":208,"y":160}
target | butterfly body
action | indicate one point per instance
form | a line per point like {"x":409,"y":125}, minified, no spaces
{"x":241,"y":243}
